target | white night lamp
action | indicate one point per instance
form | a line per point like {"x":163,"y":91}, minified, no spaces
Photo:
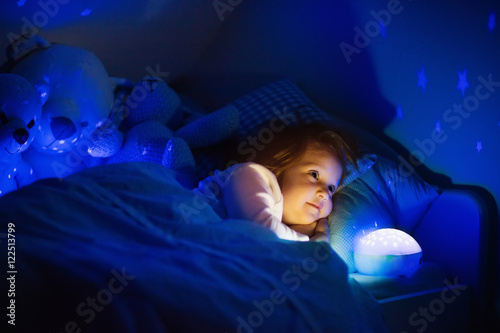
{"x":389,"y":252}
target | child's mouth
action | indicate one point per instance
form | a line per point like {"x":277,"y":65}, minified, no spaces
{"x":313,"y":205}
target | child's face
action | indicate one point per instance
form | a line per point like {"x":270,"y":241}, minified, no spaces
{"x":308,"y":186}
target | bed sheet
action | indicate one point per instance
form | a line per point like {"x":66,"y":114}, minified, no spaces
{"x":125,"y":248}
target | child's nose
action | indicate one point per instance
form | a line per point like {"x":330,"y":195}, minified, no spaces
{"x":322,"y":192}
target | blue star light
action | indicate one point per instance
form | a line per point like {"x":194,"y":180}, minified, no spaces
{"x":479,"y":146}
{"x":382,"y":29}
{"x":399,"y":112}
{"x":437,"y":127}
{"x":86,"y":12}
{"x":20,"y":3}
{"x":422,"y":80}
{"x":491,"y":22}
{"x":462,"y":81}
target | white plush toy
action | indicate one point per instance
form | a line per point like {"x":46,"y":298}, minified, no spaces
{"x":80,"y":93}
{"x":84,"y":120}
{"x":20,"y":113}
{"x":145,"y":116}
{"x":77,"y":95}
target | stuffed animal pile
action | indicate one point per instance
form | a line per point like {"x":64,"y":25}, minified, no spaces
{"x":20,"y":114}
{"x":60,"y":112}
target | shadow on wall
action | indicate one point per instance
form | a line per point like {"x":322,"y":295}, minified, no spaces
{"x":260,"y":41}
{"x":127,"y":37}
{"x":324,"y":46}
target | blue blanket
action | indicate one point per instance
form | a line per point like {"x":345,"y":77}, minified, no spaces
{"x":125,"y":248}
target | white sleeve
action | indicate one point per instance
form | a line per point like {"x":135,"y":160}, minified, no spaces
{"x":252,"y":193}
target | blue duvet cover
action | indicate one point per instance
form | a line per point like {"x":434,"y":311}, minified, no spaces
{"x":125,"y":248}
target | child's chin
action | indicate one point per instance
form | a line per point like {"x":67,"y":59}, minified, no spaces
{"x":304,"y":222}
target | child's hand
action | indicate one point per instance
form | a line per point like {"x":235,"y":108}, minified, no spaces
{"x":321,"y":232}
{"x":305,"y":229}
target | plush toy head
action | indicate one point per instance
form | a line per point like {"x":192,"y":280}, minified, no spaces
{"x":147,"y":110}
{"x":80,"y":94}
{"x":151,"y":99}
{"x":15,"y":172}
{"x":143,"y":115}
{"x":145,"y":142}
{"x":20,"y":113}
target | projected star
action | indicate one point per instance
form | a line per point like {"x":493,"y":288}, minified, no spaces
{"x":86,"y":12}
{"x":382,"y":29}
{"x":462,"y":81}
{"x":20,"y":3}
{"x":479,"y":146}
{"x":422,"y":80}
{"x":491,"y":22}
{"x":437,"y":127}
{"x":399,"y":112}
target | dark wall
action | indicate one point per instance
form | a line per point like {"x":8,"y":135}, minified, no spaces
{"x":128,"y":36}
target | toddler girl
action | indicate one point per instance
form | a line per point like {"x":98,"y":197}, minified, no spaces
{"x":289,"y":185}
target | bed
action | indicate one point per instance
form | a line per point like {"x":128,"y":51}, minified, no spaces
{"x":109,"y":249}
{"x":126,"y":247}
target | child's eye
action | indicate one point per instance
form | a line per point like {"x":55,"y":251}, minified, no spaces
{"x":315,"y":174}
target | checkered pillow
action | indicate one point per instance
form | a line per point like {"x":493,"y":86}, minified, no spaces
{"x":383,"y":197}
{"x":281,"y":101}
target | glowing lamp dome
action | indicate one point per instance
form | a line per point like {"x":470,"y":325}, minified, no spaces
{"x":389,"y":252}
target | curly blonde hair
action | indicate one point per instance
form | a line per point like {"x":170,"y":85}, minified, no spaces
{"x":290,"y":144}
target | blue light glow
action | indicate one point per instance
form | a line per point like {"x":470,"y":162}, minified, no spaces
{"x":86,"y":12}
{"x":422,"y":80}
{"x":382,"y":29}
{"x":399,"y":112}
{"x":462,"y":81}
{"x":479,"y":146}
{"x":437,"y":128}
{"x":491,"y":22}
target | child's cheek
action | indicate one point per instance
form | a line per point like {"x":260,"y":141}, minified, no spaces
{"x":329,"y":207}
